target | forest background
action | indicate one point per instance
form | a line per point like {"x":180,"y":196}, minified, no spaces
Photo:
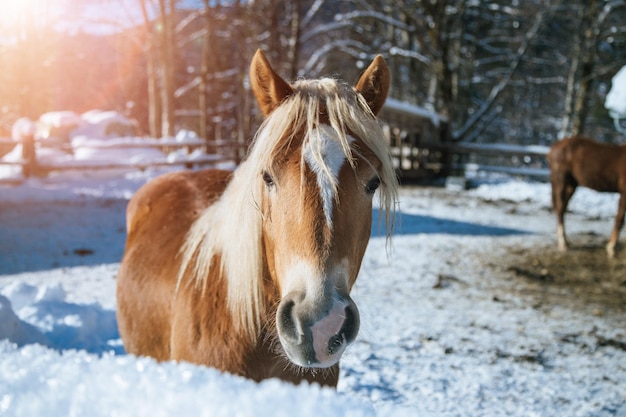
{"x":514,"y":71}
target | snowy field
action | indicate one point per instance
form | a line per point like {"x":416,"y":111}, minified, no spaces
{"x":447,"y":330}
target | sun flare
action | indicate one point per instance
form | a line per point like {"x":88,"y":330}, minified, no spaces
{"x":17,"y":13}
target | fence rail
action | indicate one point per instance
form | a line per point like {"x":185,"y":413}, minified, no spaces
{"x":32,"y":166}
{"x":460,"y":158}
{"x":422,"y":152}
{"x":444,"y":159}
{"x":474,"y":157}
{"x":492,"y":148}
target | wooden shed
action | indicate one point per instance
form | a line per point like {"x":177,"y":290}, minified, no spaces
{"x":412,"y":131}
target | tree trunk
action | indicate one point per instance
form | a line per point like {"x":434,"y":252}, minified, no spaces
{"x":566,"y":124}
{"x":204,"y":73}
{"x":586,"y":49}
{"x":243,"y":93}
{"x":294,"y":42}
{"x":153,"y":98}
{"x":581,"y":106}
{"x":166,"y":57}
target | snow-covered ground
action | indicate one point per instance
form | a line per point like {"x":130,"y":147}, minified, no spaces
{"x":446,"y":329}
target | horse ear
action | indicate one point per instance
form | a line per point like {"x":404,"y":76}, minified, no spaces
{"x":268,"y":87}
{"x":374,"y":84}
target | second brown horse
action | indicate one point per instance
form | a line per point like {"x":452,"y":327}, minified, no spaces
{"x":586,"y":162}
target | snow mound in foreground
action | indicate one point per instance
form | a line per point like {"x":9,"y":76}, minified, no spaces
{"x":31,"y":314}
{"x":37,"y":381}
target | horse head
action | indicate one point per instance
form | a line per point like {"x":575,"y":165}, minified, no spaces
{"x":321,"y":156}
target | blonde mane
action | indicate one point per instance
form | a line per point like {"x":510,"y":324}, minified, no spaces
{"x":229,"y":231}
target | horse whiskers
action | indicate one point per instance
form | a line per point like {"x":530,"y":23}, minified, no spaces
{"x":285,"y":362}
{"x":328,"y":372}
{"x":271,"y":341}
{"x":268,"y":328}
{"x":288,"y":366}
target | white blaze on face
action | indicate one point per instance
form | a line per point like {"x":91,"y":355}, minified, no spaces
{"x":300,"y":275}
{"x":325,"y":157}
{"x":303,"y":276}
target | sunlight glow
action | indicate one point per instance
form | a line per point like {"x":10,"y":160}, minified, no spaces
{"x":19,"y":17}
{"x":15,"y":12}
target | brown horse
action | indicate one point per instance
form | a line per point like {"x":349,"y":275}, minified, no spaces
{"x":250,"y":271}
{"x":581,"y":161}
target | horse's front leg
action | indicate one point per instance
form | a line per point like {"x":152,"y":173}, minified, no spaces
{"x":619,"y":222}
{"x":561,"y":194}
{"x":560,"y":235}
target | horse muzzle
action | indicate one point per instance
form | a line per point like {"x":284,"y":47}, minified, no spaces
{"x":313,"y":336}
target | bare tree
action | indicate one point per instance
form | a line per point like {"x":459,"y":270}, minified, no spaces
{"x":498,"y":70}
{"x":167,"y":15}
{"x":153,"y":97}
{"x":204,"y":74}
{"x":453,"y":56}
{"x":592,"y":18}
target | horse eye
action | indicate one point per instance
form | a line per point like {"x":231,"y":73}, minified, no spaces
{"x":267,"y":178}
{"x":372,"y":185}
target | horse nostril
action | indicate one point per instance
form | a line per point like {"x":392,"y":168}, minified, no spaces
{"x":287,"y":323}
{"x":335,"y":343}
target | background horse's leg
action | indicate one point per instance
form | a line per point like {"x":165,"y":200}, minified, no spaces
{"x":619,"y":222}
{"x":562,"y":190}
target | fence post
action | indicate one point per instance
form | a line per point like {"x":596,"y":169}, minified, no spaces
{"x":28,"y":155}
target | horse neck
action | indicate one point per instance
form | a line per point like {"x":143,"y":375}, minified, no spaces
{"x":227,"y":238}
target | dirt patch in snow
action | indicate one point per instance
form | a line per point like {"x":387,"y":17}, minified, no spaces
{"x":583,"y":277}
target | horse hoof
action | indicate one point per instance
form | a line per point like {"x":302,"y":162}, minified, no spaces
{"x":610,"y":252}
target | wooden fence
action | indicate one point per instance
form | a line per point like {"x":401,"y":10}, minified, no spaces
{"x":517,"y":160}
{"x":31,"y":165}
{"x":428,"y":161}
{"x":422,"y":153}
{"x":417,"y":150}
